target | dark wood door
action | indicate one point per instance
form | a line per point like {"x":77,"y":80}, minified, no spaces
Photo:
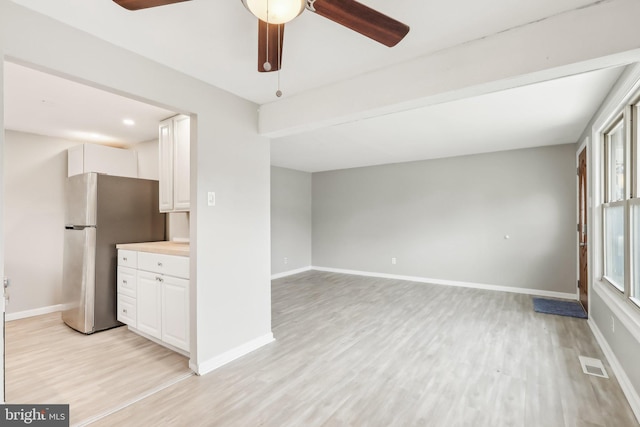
{"x":583,"y":282}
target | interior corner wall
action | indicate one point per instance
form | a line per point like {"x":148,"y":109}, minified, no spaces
{"x":290,"y":220}
{"x":35,"y":172}
{"x":230,"y":243}
{"x":502,"y":219}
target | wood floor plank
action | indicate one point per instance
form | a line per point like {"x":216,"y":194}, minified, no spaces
{"x":356,"y":351}
{"x":48,"y":362}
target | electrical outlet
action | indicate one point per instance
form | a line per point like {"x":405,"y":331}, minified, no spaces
{"x":286,"y":260}
{"x":394,"y":261}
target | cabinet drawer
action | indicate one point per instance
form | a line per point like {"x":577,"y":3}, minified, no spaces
{"x":171,"y":265}
{"x":127,"y":310}
{"x":127,"y":258}
{"x":127,"y":281}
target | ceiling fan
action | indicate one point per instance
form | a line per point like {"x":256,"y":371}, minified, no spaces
{"x":273,"y":14}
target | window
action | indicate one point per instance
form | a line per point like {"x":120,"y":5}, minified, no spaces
{"x":635,"y":252}
{"x":615,"y":143}
{"x":621,"y":204}
{"x":614,"y":245}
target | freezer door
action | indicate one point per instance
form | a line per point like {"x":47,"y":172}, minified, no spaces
{"x":78,"y":278}
{"x":82,"y":196}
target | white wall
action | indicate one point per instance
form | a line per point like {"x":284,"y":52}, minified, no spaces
{"x":230,"y":263}
{"x":290,"y":220}
{"x":447,"y":219}
{"x":35,"y":172}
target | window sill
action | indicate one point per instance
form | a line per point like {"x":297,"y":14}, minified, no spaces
{"x":626,"y":311}
{"x":613,"y":283}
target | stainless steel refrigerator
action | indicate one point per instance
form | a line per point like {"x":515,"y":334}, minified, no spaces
{"x":101,"y":211}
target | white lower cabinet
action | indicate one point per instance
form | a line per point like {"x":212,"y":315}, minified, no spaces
{"x":153,"y":297}
{"x":175,"y":312}
{"x":149,"y":304}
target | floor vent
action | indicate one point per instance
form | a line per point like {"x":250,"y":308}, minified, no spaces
{"x":593,"y":367}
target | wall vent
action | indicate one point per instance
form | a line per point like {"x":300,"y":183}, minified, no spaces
{"x":593,"y":367}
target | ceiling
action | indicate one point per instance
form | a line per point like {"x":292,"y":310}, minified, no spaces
{"x":548,"y":113}
{"x":317,"y":52}
{"x":216,"y":40}
{"x":40,"y":103}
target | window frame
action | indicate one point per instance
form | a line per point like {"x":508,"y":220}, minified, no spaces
{"x":629,"y":118}
{"x":618,"y":122}
{"x":619,"y":203}
{"x":633,"y":203}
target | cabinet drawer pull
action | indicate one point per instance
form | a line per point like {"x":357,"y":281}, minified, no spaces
{"x":159,"y":264}
{"x":124,"y":310}
{"x":124,"y":282}
{"x":124,"y":258}
{"x":159,"y":279}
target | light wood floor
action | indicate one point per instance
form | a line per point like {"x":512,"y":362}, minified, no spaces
{"x":354,"y":351}
{"x":48,"y":362}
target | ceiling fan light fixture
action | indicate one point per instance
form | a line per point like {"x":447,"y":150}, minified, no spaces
{"x":279,"y":11}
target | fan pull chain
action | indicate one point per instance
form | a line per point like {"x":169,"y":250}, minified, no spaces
{"x":279,"y":92}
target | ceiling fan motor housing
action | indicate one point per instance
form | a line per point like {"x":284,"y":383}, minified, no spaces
{"x":275,"y":11}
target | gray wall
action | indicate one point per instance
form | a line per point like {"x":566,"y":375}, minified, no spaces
{"x":290,"y":219}
{"x":35,"y":172}
{"x":447,"y":219}
{"x":623,"y":344}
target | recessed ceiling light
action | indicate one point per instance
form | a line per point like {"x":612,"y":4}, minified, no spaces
{"x":128,"y":122}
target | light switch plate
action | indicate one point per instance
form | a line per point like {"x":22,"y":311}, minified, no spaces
{"x":211,"y":198}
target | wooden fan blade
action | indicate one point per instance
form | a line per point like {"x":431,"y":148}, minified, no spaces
{"x":363,"y":19}
{"x":144,"y":4}
{"x":274,"y":33}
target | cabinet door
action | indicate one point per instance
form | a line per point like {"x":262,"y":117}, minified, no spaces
{"x":175,"y":312}
{"x":181,"y":163}
{"x":149,"y":303}
{"x":165,"y":147}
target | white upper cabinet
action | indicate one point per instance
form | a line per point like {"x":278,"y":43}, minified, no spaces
{"x":165,"y":141}
{"x":102,"y":159}
{"x":181,"y":164}
{"x":174,"y":141}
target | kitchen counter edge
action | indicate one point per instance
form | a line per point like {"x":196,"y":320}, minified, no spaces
{"x":166,"y":248}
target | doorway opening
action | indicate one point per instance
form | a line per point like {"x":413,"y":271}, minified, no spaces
{"x":45,"y":360}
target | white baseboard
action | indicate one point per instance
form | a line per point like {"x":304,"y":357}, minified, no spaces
{"x":537,"y":292}
{"x":34,"y":312}
{"x":231,"y":355}
{"x":625,"y":383}
{"x":290,"y":273}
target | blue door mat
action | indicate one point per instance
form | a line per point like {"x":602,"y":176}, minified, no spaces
{"x":559,"y":307}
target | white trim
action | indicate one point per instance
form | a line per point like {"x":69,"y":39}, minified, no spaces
{"x":527,"y":291}
{"x":33,"y":312}
{"x":290,"y":272}
{"x":625,"y":383}
{"x":231,"y":355}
